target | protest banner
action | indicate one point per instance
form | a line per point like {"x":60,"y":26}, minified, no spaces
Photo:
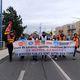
{"x":38,"y":47}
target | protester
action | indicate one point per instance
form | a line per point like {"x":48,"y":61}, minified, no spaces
{"x":30,"y":37}
{"x":48,"y":37}
{"x":10,"y":40}
{"x":35,"y":37}
{"x":43,"y":37}
{"x":54,"y":37}
{"x":22,"y":37}
{"x":79,"y":40}
{"x":61,"y":37}
{"x":76,"y":39}
{"x":68,"y":37}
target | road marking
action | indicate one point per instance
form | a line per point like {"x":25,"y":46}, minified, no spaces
{"x":21,"y":75}
{"x":61,"y":70}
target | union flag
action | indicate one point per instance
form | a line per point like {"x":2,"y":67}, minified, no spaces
{"x":8,"y":29}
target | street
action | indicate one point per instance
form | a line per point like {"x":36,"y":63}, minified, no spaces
{"x":28,"y":69}
{"x":48,"y":30}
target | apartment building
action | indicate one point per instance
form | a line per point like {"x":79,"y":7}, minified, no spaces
{"x":69,"y":28}
{"x":64,"y":28}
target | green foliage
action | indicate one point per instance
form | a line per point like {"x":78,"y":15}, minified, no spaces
{"x":11,"y":15}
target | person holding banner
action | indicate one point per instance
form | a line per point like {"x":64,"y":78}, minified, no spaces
{"x":30,"y":37}
{"x":35,"y":37}
{"x":22,"y":37}
{"x":43,"y":38}
{"x":68,"y":37}
{"x":62,"y":37}
{"x":76,"y":39}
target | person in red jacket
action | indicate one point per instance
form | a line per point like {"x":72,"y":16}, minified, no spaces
{"x":76,"y":39}
{"x":61,"y":37}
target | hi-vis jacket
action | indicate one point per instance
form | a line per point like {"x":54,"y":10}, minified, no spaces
{"x":76,"y":39}
{"x":10,"y":39}
{"x":62,"y":38}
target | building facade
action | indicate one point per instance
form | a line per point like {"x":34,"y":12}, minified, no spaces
{"x":69,"y":28}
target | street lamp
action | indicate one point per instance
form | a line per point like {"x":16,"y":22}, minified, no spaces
{"x":1,"y":22}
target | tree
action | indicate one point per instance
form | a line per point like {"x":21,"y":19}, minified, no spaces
{"x":11,"y":15}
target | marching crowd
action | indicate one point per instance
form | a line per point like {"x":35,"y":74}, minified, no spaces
{"x":44,"y":36}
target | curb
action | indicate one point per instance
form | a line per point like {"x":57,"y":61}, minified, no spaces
{"x":78,"y":51}
{"x":3,"y":59}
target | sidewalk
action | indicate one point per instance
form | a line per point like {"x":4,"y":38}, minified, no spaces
{"x":3,"y":53}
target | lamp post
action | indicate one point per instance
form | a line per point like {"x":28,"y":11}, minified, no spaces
{"x":40,"y":29}
{"x":0,"y":22}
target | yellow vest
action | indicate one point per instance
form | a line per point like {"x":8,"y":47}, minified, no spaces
{"x":10,"y":40}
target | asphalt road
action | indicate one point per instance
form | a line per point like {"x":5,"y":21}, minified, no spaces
{"x":40,"y":70}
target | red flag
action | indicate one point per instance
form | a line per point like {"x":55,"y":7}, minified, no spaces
{"x":8,"y":29}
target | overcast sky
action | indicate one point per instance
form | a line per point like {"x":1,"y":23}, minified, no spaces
{"x":46,"y":12}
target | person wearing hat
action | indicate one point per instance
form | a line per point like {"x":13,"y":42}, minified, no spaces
{"x":10,"y":40}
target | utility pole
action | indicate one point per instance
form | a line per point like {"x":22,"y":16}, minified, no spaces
{"x":0,"y":23}
{"x":40,"y":29}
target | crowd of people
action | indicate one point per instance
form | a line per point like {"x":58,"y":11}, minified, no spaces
{"x":44,"y":36}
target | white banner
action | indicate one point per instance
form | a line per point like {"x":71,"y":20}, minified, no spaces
{"x":38,"y":47}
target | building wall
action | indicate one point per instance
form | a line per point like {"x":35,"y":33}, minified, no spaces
{"x":77,"y":27}
{"x":65,"y":29}
{"x":69,"y":28}
{"x":57,"y":30}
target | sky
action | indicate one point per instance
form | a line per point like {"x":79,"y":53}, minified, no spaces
{"x":46,"y":13}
